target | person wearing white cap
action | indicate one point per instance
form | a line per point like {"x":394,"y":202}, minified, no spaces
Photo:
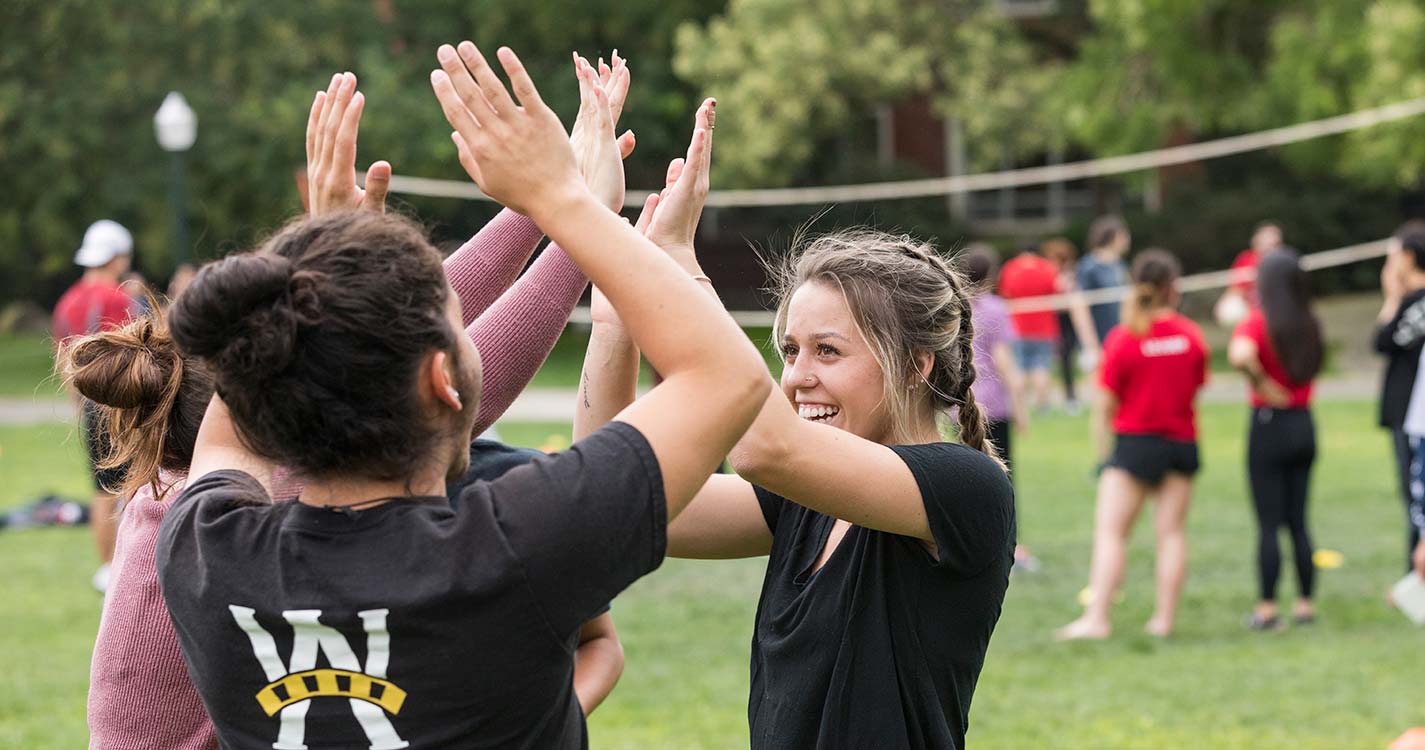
{"x":96,"y":302}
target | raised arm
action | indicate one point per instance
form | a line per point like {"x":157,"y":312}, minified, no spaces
{"x":517,"y":153}
{"x":517,"y":332}
{"x":218,"y":447}
{"x":483,"y":269}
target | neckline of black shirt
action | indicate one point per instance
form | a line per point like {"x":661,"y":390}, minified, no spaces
{"x":338,"y":519}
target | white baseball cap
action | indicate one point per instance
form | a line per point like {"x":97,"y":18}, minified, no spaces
{"x":104,"y":240}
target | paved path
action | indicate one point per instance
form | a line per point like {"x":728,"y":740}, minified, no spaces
{"x":557,"y":404}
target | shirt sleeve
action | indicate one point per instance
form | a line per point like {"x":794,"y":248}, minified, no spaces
{"x":182,"y":524}
{"x":1114,"y":373}
{"x":969,"y":503}
{"x":771,"y":505}
{"x":585,"y":523}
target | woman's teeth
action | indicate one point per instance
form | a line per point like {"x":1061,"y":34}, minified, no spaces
{"x":816,"y":412}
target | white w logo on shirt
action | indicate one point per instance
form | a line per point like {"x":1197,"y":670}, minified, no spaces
{"x":292,"y":686}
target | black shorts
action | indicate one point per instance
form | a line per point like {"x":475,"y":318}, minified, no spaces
{"x":1149,"y":458}
{"x":96,"y":441}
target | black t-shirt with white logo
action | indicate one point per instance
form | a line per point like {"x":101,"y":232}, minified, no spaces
{"x":409,"y":624}
{"x":882,"y":646}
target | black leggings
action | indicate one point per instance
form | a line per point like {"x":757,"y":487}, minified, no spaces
{"x":1401,"y":442}
{"x":1280,"y":451}
{"x":1068,"y":342}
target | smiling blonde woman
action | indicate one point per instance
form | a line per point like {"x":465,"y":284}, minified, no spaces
{"x":889,"y":549}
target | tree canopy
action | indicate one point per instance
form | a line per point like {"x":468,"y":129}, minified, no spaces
{"x":798,"y":82}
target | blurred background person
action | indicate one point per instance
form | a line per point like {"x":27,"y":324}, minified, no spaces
{"x":1278,"y":347}
{"x":1029,"y":274}
{"x":98,"y":302}
{"x":1103,"y":268}
{"x":998,"y":381}
{"x":1241,"y":296}
{"x":1063,"y":255}
{"x":1153,"y":366}
{"x":1400,"y":337}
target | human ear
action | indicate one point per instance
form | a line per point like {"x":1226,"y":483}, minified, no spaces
{"x":442,"y":381}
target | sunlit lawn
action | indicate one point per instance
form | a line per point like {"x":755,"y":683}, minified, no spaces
{"x":1352,"y":681}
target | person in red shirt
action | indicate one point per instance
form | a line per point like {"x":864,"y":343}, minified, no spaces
{"x":1241,"y":295}
{"x":1030,"y":274}
{"x":96,"y":303}
{"x":1279,"y":349}
{"x":1153,"y":366}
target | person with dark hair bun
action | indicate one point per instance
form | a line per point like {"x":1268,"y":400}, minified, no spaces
{"x":372,"y":611}
{"x":152,"y":398}
{"x":1280,"y":350}
{"x":1400,"y":337}
{"x":1153,"y":366}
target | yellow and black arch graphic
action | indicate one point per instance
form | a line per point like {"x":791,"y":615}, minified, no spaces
{"x":338,"y":683}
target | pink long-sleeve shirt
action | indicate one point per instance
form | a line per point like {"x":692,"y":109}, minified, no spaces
{"x":140,"y":695}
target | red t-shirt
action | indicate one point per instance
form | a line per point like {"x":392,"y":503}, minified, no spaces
{"x":1247,"y":259}
{"x":90,"y":306}
{"x":1255,"y":329}
{"x":1029,"y":275}
{"x":1156,"y":377}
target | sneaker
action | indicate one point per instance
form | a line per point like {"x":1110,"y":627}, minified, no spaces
{"x":100,"y":580}
{"x":1258,"y":623}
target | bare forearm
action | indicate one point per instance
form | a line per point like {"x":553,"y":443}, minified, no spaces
{"x":1101,"y":426}
{"x":656,"y":299}
{"x":598,"y":662}
{"x":1083,"y":325}
{"x":609,"y":381}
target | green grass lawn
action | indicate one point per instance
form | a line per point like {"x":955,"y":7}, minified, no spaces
{"x":1349,"y":682}
{"x":26,"y":364}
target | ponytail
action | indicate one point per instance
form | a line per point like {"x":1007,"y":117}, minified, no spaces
{"x":150,"y":398}
{"x":1154,"y":273}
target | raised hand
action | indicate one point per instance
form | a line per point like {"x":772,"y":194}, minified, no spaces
{"x":675,"y":223}
{"x":599,"y":156}
{"x":331,"y":152}
{"x":516,"y":152}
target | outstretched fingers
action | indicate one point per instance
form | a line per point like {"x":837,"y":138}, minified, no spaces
{"x":645,"y":218}
{"x":520,"y":81}
{"x":467,"y":157}
{"x":617,"y":89}
{"x":452,"y":106}
{"x":331,"y":124}
{"x":460,"y":79}
{"x":496,"y":96}
{"x":313,"y":119}
{"x":344,"y":150}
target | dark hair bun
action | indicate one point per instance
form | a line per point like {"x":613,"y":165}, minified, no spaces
{"x":238,"y":314}
{"x":129,"y":367}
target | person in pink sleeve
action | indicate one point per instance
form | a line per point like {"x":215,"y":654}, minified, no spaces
{"x":153,"y":400}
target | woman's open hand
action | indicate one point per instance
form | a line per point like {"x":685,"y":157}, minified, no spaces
{"x":517,"y":153}
{"x":331,"y":153}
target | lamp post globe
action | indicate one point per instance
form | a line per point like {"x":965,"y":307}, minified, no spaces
{"x":176,"y":127}
{"x":175,"y":124}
